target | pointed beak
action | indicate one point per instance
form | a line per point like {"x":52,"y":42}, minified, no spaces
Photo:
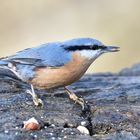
{"x":112,"y":49}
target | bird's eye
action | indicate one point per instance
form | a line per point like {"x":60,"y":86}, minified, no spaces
{"x":95,"y":47}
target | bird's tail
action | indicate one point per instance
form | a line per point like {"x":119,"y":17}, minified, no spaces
{"x":5,"y":71}
{"x":7,"y":74}
{"x":3,"y":62}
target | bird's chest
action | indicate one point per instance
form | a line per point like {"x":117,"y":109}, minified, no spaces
{"x":61,"y":76}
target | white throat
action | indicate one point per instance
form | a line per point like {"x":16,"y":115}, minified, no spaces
{"x":90,"y":54}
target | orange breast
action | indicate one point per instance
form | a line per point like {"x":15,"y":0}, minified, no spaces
{"x":61,"y":76}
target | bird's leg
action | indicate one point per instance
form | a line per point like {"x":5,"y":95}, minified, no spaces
{"x":37,"y":101}
{"x":75,"y":98}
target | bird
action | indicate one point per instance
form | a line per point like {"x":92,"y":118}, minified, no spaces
{"x":54,"y":64}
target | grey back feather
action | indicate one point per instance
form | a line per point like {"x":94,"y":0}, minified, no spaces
{"x":51,"y":54}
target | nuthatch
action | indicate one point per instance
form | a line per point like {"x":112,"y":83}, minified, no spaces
{"x":56,"y":64}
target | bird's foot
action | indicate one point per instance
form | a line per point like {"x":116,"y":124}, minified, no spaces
{"x":37,"y":101}
{"x":76,"y":99}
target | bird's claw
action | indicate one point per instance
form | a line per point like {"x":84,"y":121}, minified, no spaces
{"x":81,"y":102}
{"x":76,"y":99}
{"x":37,"y":101}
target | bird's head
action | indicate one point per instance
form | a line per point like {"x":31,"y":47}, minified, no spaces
{"x":89,"y":47}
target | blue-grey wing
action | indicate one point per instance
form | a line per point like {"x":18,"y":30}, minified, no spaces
{"x":51,"y":54}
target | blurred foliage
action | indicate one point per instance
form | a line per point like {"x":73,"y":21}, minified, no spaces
{"x":27,"y":23}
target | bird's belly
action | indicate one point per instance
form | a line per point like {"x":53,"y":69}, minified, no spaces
{"x":52,"y":78}
{"x":61,"y":76}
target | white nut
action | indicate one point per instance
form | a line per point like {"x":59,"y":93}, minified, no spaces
{"x":83,"y":129}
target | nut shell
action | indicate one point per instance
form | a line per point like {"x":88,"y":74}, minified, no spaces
{"x":31,"y":124}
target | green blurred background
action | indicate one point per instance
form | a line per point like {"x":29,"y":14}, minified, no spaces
{"x":27,"y":23}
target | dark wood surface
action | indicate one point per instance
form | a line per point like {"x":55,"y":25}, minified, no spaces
{"x":113,"y":114}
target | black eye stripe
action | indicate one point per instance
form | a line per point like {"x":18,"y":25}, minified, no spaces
{"x":75,"y":48}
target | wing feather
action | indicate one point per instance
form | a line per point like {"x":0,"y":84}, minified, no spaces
{"x":51,"y":55}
